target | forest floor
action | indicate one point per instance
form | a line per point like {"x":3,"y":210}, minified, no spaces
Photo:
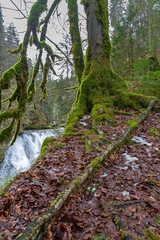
{"x":120,"y":201}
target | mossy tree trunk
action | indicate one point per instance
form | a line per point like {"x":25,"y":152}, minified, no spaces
{"x":76,"y":39}
{"x":99,"y":82}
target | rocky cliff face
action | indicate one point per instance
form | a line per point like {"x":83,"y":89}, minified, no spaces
{"x":33,"y":119}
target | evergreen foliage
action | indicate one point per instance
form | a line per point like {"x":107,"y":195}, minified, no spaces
{"x":136,"y":33}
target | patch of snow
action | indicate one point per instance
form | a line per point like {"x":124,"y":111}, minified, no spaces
{"x":124,"y":168}
{"x":130,"y":161}
{"x":104,"y":175}
{"x":86,"y":117}
{"x":83,"y":123}
{"x":148,"y":151}
{"x":91,"y":189}
{"x":141,"y":141}
{"x":156,"y":148}
{"x":126,"y":194}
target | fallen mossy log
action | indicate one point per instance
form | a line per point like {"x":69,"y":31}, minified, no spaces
{"x":121,"y":226}
{"x":36,"y":225}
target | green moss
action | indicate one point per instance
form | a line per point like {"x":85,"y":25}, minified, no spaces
{"x":70,"y":88}
{"x":128,"y":99}
{"x":94,"y":144}
{"x":58,"y":145}
{"x":89,"y":132}
{"x":5,"y":187}
{"x":44,"y":149}
{"x":123,"y":113}
{"x":84,"y":2}
{"x":6,"y":77}
{"x":19,"y":235}
{"x":149,"y":84}
{"x":154,"y":63}
{"x":87,"y":146}
{"x":154,"y":131}
{"x":95,"y":163}
{"x":132,"y":123}
{"x":76,"y":39}
{"x":37,"y":9}
{"x":57,"y":199}
{"x":158,"y":220}
{"x":20,"y":70}
{"x":61,"y":180}
{"x":151,"y":236}
{"x":102,"y":16}
{"x":100,"y":113}
{"x":75,"y":113}
{"x":31,"y":91}
{"x":6,"y":133}
{"x":16,"y":51}
{"x":45,"y":144}
{"x":44,"y":79}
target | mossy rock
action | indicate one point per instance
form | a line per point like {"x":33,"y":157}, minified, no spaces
{"x":101,"y":113}
{"x":45,"y":144}
{"x":124,"y":99}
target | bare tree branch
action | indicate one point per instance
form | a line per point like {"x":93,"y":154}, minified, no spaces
{"x":60,"y":50}
{"x":18,"y":9}
{"x":25,"y":4}
{"x":12,"y":9}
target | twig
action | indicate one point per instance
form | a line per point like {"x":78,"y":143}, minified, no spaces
{"x":120,"y":225}
{"x":126,"y":203}
{"x":60,"y":50}
{"x":18,"y":9}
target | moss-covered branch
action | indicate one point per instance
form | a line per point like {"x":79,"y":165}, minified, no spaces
{"x":56,"y":206}
{"x":41,"y":44}
{"x":20,"y":73}
{"x":76,"y":39}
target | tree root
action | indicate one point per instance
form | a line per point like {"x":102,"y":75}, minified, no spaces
{"x":47,"y":217}
{"x":121,"y":226}
{"x":122,"y":204}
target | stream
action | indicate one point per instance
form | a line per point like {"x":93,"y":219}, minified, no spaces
{"x":23,"y":153}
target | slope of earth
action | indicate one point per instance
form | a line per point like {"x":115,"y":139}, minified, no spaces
{"x":123,"y":198}
{"x":121,"y":201}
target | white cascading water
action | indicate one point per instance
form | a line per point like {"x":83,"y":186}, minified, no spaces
{"x":23,"y":153}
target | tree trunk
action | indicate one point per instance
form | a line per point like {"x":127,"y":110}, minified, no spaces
{"x":76,"y":39}
{"x":99,"y":82}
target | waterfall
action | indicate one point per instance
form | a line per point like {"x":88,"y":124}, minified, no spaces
{"x":23,"y":153}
